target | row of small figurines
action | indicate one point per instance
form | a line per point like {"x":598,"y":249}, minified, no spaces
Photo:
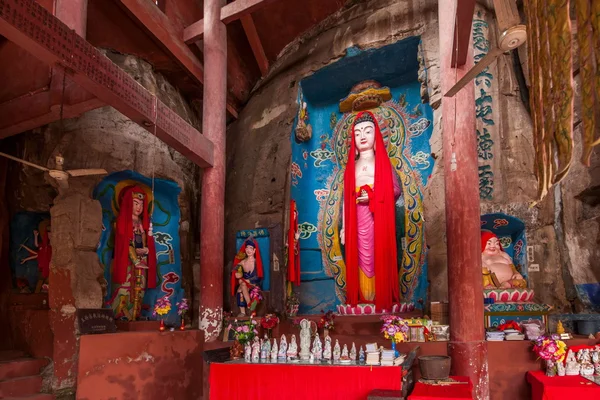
{"x":586,"y":363}
{"x":263,"y":350}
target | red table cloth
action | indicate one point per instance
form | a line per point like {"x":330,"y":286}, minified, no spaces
{"x":231,"y":381}
{"x":561,"y":387}
{"x":423,"y":391}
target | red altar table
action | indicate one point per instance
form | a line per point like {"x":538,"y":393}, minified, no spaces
{"x":423,"y":391}
{"x":299,"y":381}
{"x":561,"y":387}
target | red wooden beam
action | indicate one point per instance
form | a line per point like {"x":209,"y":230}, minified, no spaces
{"x":161,"y":29}
{"x":229,"y":13}
{"x":462,"y":31}
{"x":255,"y":44}
{"x":36,"y":30}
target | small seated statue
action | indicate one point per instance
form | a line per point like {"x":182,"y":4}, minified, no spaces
{"x":292,"y":352}
{"x":337,"y":351}
{"x":327,"y":349}
{"x":265,"y":348}
{"x":572,"y":366}
{"x":345,"y":357}
{"x":274,"y":351}
{"x":560,"y":368}
{"x":317,"y":348}
{"x":255,"y":350}
{"x":247,"y":353}
{"x":283,"y":346}
{"x":361,"y":355}
{"x":353,"y":352}
{"x":498,"y":268}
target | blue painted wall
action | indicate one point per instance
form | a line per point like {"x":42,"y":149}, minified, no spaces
{"x":314,"y":162}
{"x":165,"y":222}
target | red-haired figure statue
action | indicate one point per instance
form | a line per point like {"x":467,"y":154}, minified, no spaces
{"x":498,"y":268}
{"x":134,"y":266}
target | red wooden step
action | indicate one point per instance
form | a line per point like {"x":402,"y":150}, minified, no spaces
{"x":20,"y":387}
{"x":21,"y":367}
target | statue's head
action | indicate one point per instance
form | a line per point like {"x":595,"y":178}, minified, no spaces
{"x":364,"y":132}
{"x":250,"y":248}
{"x":138,"y":203}
{"x":490,"y":244}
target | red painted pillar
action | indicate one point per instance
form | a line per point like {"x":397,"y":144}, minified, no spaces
{"x":467,"y":346}
{"x":212,"y":218}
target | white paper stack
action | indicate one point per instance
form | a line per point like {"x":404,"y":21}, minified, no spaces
{"x":372,"y":358}
{"x":494,"y":336}
{"x":513,"y":334}
{"x":387,"y":357}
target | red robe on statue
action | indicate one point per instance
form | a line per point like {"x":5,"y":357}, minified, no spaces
{"x":382,"y":204}
{"x":124,"y":236}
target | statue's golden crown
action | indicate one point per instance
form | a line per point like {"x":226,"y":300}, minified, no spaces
{"x":364,"y":96}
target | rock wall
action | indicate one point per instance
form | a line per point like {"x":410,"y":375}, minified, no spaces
{"x":562,"y":230}
{"x":102,"y":138}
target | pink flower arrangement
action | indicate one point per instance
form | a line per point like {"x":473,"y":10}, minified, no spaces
{"x":162,"y":306}
{"x":550,"y":348}
{"x":394,"y":328}
{"x":182,"y":306}
{"x":245,"y":331}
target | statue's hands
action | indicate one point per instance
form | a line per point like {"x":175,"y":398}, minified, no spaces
{"x":141,"y":252}
{"x":343,"y":236}
{"x":36,"y":233}
{"x":363,"y":199}
{"x":517,"y":276}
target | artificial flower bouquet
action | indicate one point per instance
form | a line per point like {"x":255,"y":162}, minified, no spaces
{"x":245,"y":331}
{"x":394,"y":328}
{"x":550,"y":349}
{"x":327,"y":320}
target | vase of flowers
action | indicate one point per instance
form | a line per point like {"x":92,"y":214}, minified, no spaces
{"x":395,"y":329}
{"x":161,"y":309}
{"x":551,"y":350}
{"x":292,"y":304}
{"x":326,"y":322}
{"x":243,"y":333}
{"x":269,"y":322}
{"x":182,"y":309}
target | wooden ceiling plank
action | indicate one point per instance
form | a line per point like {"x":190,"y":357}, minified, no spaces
{"x":158,"y":25}
{"x":229,"y":13}
{"x":255,"y":44}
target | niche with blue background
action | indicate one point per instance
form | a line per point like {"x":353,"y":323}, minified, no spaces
{"x":394,"y":66}
{"x":165,"y":221}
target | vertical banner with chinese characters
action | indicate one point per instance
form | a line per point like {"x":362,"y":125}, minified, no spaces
{"x":486,"y":108}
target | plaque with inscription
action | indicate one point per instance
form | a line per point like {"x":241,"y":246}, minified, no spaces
{"x":100,"y":320}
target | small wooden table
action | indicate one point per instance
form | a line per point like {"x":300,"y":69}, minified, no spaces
{"x":424,"y":391}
